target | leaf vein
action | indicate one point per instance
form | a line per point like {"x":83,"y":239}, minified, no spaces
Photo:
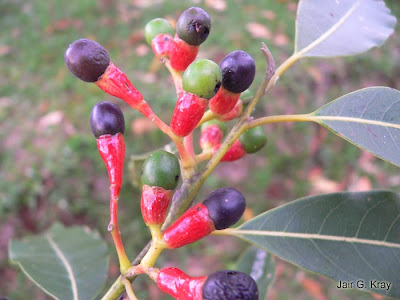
{"x":335,"y":238}
{"x":67,"y":266}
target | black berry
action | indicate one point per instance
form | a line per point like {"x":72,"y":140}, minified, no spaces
{"x":106,"y":118}
{"x":225,"y":207}
{"x":230,"y":285}
{"x":193,"y":26}
{"x":87,"y":60}
{"x":238,"y":71}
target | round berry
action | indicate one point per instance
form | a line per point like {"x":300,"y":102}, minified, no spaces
{"x":253,"y":139}
{"x":106,"y":118}
{"x":238,"y":70}
{"x":156,"y":27}
{"x":193,"y":26}
{"x":202,"y":78}
{"x":87,"y":60}
{"x":227,"y":285}
{"x":161,"y":168}
{"x":225,"y":207}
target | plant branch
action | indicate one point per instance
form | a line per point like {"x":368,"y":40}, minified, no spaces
{"x":279,"y":119}
{"x":128,"y":288}
{"x":176,"y":76}
{"x":188,"y":190}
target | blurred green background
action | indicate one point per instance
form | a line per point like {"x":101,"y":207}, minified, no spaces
{"x":50,"y":169}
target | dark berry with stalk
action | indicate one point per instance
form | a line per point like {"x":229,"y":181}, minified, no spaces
{"x":192,"y":29}
{"x":200,"y":82}
{"x":238,"y":71}
{"x":90,"y":62}
{"x":160,"y":176}
{"x":108,"y":126}
{"x":221,"y":209}
{"x":221,"y":285}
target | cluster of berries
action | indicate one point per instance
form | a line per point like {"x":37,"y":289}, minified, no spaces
{"x":204,"y":83}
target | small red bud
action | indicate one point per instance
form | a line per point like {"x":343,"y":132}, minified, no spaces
{"x":112,"y":151}
{"x":223,"y":101}
{"x":182,"y":54}
{"x":193,"y":225}
{"x":115,"y":83}
{"x":179,"y":285}
{"x":235,"y":152}
{"x":210,"y":136}
{"x":161,"y":45}
{"x":154,"y":204}
{"x":189,"y":110}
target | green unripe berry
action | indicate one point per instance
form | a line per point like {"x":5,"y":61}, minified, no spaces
{"x":221,"y":125}
{"x":253,"y":139}
{"x":161,"y":168}
{"x":202,"y":78}
{"x":156,"y":27}
{"x":247,"y":95}
{"x":193,"y":26}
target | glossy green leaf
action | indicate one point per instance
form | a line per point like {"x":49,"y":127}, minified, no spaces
{"x":344,"y":236}
{"x":260,"y":265}
{"x":66,"y":263}
{"x":341,"y":27}
{"x":368,"y":118}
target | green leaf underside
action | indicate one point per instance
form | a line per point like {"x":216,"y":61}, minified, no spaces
{"x":341,"y":27}
{"x":344,"y":236}
{"x":260,"y":265}
{"x":368,"y":118}
{"x":66,"y":263}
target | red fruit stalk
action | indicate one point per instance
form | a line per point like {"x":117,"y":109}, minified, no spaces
{"x":182,"y":54}
{"x":235,"y":152}
{"x":154,"y":204}
{"x":161,"y":45}
{"x":179,"y":285}
{"x":193,"y":225}
{"x":223,"y":101}
{"x":189,"y":110}
{"x":112,"y":151}
{"x":115,"y":83}
{"x":232,"y":114}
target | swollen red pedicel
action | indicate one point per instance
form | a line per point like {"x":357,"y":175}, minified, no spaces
{"x":182,"y":54}
{"x":193,"y":225}
{"x":154,"y":204}
{"x":112,"y":151}
{"x":189,"y":110}
{"x":234,"y":113}
{"x":179,"y":285}
{"x":210,"y":136}
{"x":161,"y":45}
{"x":235,"y":152}
{"x":223,"y":101}
{"x":115,"y":83}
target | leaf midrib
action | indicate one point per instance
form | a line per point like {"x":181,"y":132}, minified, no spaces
{"x":317,"y":118}
{"x":282,"y":234}
{"x":67,"y":266}
{"x":326,"y":34}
